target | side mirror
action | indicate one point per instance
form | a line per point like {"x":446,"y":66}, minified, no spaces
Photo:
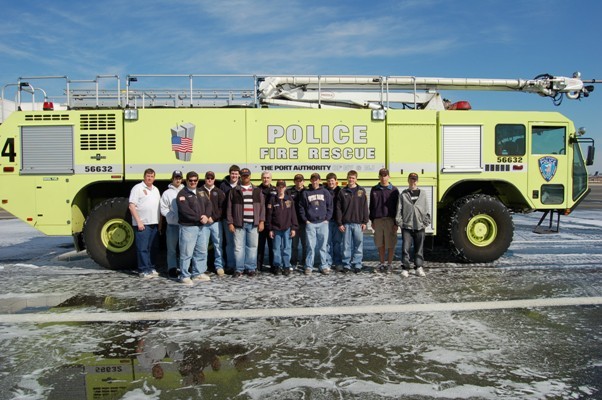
{"x":590,"y":155}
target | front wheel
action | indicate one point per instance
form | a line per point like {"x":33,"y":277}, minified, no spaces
{"x":480,"y":228}
{"x":109,"y":235}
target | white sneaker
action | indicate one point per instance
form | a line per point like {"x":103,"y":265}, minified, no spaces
{"x":154,"y":273}
{"x":420,"y":272}
{"x":220,"y":272}
{"x":405,"y":273}
{"x":202,"y":278}
{"x":185,"y":281}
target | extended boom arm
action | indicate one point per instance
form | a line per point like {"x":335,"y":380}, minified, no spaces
{"x":372,"y":92}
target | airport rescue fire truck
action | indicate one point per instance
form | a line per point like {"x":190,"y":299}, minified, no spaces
{"x":67,"y":167}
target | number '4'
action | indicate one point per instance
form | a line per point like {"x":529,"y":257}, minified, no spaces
{"x":9,"y":149}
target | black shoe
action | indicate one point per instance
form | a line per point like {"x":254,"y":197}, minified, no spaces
{"x":237,"y":274}
{"x":287,"y":271}
{"x":357,"y":270}
{"x":251,"y":273}
{"x":173,"y":273}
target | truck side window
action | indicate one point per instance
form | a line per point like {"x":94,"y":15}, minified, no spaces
{"x":510,"y":140}
{"x":548,"y":140}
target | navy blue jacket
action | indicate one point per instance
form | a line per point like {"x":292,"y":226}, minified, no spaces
{"x":281,"y":214}
{"x":383,"y":201}
{"x":316,"y":205}
{"x":352,"y":206}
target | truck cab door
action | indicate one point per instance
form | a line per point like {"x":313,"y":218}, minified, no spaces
{"x":549,"y":169}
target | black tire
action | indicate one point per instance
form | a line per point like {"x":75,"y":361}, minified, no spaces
{"x":109,"y":235}
{"x":479,"y":228}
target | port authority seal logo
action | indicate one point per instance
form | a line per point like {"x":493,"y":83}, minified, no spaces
{"x":547,"y":167}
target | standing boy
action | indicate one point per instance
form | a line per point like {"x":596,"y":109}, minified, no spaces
{"x":232,"y":181}
{"x":295,"y":191}
{"x":246,"y":217}
{"x":217,"y":198}
{"x":383,"y":208}
{"x":316,"y":211}
{"x":335,"y":236}
{"x":169,"y":209}
{"x":413,"y":216}
{"x":281,"y":223}
{"x":268,"y":190}
{"x":352,"y":216}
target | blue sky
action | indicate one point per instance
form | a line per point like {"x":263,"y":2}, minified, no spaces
{"x":477,"y":39}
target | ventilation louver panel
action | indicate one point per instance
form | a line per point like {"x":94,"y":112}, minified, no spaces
{"x":96,"y":141}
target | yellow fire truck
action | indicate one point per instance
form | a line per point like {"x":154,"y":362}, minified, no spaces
{"x":66,"y":167}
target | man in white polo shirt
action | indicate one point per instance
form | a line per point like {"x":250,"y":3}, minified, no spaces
{"x":144,"y":206}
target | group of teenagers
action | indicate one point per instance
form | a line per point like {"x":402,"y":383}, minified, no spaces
{"x":315,"y":225}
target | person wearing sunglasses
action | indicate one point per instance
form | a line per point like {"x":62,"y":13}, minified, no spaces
{"x":194,"y":211}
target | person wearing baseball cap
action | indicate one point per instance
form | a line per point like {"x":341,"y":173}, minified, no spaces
{"x":281,"y":223}
{"x":246,"y":218}
{"x":413,"y":216}
{"x":194,"y":213}
{"x":169,"y":209}
{"x":383,"y":207}
{"x":214,"y":229}
{"x":300,"y":239}
{"x":316,"y":210}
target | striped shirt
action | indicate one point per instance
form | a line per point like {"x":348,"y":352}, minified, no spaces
{"x":247,"y":194}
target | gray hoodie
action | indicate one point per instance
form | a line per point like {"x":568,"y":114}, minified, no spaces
{"x":412,"y":215}
{"x":168,"y":205}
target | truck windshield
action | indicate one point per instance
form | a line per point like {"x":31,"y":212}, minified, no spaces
{"x":579,"y":172}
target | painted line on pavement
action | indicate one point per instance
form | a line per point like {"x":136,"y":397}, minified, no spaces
{"x":296,"y":312}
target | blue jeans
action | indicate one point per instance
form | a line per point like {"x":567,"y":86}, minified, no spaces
{"x":300,"y":240}
{"x":282,"y":249}
{"x":245,"y":247}
{"x":193,"y":250}
{"x":335,"y":243}
{"x":229,"y":238}
{"x":317,"y":239}
{"x":214,"y":231}
{"x":146,"y":247}
{"x":353,"y":246}
{"x":172,"y":236}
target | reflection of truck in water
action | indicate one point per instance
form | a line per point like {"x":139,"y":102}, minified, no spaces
{"x":93,"y":377}
{"x":138,"y":361}
{"x":75,"y":164}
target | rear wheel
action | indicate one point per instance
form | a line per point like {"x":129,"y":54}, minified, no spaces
{"x":109,"y":235}
{"x":480,"y":228}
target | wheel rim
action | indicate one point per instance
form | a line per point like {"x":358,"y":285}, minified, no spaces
{"x":481,"y":230}
{"x":117,"y":235}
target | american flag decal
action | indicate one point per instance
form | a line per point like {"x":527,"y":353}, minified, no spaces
{"x":181,"y":144}
{"x":182,"y":137}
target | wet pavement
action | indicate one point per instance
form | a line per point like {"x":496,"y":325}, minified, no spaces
{"x":69,"y":329}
